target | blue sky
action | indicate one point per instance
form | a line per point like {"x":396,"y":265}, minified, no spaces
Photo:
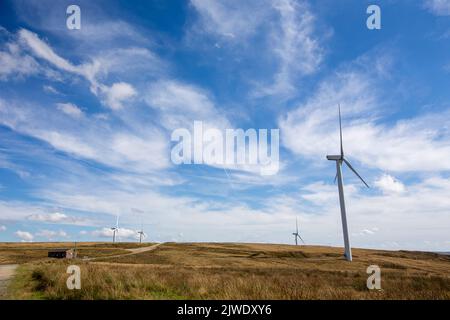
{"x":86,"y":118}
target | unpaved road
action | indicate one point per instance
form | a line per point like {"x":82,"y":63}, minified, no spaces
{"x":6,"y":273}
{"x":131,"y":252}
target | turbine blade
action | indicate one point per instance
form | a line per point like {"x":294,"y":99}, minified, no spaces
{"x":301,"y":238}
{"x":340,"y":130}
{"x":335,"y":178}
{"x":296,"y":225}
{"x":354,"y":171}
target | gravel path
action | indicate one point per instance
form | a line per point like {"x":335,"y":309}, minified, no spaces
{"x":6,"y":273}
{"x":131,"y":252}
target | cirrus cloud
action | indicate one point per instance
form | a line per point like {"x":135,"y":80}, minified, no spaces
{"x":438,"y":7}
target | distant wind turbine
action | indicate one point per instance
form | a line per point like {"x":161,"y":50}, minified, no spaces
{"x":115,"y":229}
{"x":339,"y":160}
{"x":141,"y":234}
{"x":296,"y":234}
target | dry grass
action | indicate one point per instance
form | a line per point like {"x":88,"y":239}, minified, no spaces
{"x":241,"y":271}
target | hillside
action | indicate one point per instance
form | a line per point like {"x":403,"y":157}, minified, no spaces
{"x":231,"y":271}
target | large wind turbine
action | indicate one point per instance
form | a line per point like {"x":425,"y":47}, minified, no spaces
{"x":339,"y":160}
{"x":115,"y":229}
{"x":296,"y":234}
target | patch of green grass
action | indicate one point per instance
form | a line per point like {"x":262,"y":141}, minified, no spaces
{"x":23,"y":286}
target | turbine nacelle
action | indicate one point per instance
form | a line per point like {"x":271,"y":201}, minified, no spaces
{"x":334,"y":158}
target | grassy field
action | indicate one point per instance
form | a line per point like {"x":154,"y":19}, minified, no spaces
{"x":236,"y":271}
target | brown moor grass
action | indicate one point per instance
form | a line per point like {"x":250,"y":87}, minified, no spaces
{"x":241,"y":271}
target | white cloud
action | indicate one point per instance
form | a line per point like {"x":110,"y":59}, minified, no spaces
{"x":69,"y":143}
{"x":127,"y":233}
{"x":24,"y":235}
{"x":142,"y":64}
{"x":14,"y":63}
{"x":22,"y":211}
{"x":320,"y":194}
{"x":102,"y":31}
{"x":230,"y":19}
{"x":51,"y":234}
{"x":44,"y":51}
{"x":2,"y":228}
{"x":50,"y":89}
{"x":122,"y":233}
{"x":388,"y":184}
{"x":55,"y":218}
{"x":70,"y":109}
{"x":117,"y":94}
{"x":438,"y":7}
{"x":113,"y":96}
{"x":144,"y":149}
{"x":296,"y":45}
{"x":288,"y":28}
{"x":51,"y":217}
{"x":181,"y":104}
{"x":366,"y":232}
{"x":144,"y":154}
{"x":11,"y":210}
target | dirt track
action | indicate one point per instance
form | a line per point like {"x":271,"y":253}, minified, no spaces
{"x":131,"y":252}
{"x":6,"y":272}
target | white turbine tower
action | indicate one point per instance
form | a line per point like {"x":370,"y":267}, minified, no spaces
{"x":296,"y":234}
{"x":115,"y":229}
{"x":339,"y":160}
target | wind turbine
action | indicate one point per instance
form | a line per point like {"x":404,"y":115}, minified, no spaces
{"x":115,"y":229}
{"x":141,"y":234}
{"x":340,"y":159}
{"x":296,"y":234}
